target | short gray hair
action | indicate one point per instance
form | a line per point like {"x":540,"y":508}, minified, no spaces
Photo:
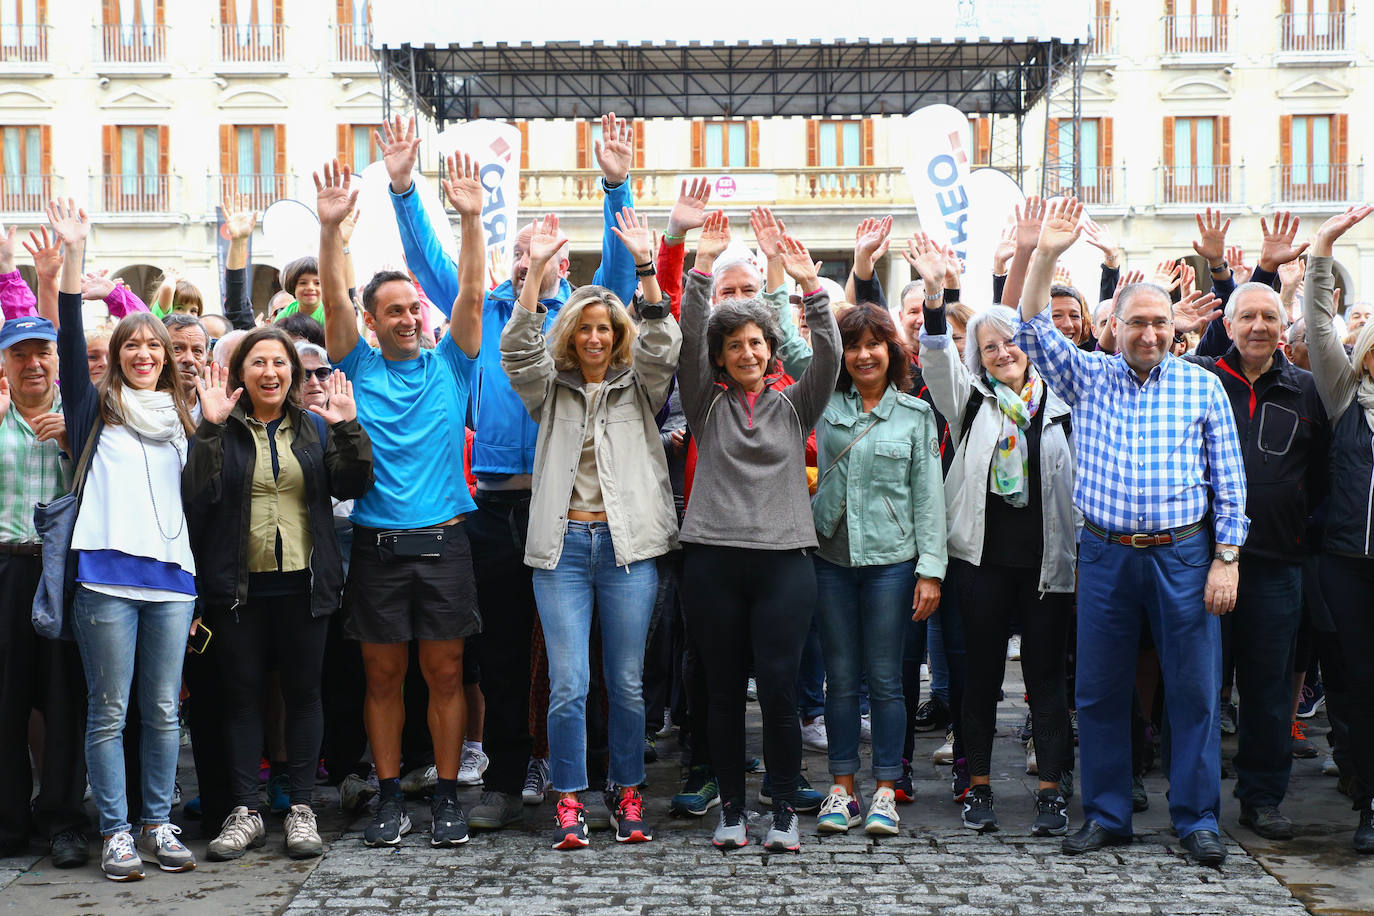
{"x":999,"y":318}
{"x":1253,"y":288}
{"x":305,"y":347}
{"x":1300,"y":324}
{"x":909,"y":289}
{"x":186,"y":320}
{"x":720,"y":267}
{"x":731,"y":315}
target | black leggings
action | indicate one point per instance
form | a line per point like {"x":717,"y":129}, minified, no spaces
{"x":750,"y":605}
{"x":271,"y":632}
{"x":1346,"y":584}
{"x":990,"y":598}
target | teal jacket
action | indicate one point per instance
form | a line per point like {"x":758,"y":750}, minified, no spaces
{"x":888,"y":488}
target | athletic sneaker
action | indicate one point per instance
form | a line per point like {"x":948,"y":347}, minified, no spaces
{"x":1302,"y":746}
{"x":241,"y":831}
{"x":1032,"y":765}
{"x":569,"y":826}
{"x":496,"y":811}
{"x":805,"y":799}
{"x":1024,"y":731}
{"x":119,"y":859}
{"x":627,"y":817}
{"x":668,"y":726}
{"x":160,"y":844}
{"x":1329,"y":767}
{"x":302,"y":833}
{"x":813,"y":736}
{"x":420,"y":781}
{"x":700,"y":793}
{"x":945,"y":752}
{"x":536,"y":781}
{"x":978,"y":812}
{"x":783,"y":836}
{"x":389,"y":825}
{"x":882,"y":817}
{"x":1311,"y":701}
{"x":279,"y":793}
{"x":450,"y":825}
{"x":1227,"y":718}
{"x":866,"y":728}
{"x":471,"y":766}
{"x":906,"y":787}
{"x":1140,"y":799}
{"x":931,"y":716}
{"x":960,"y":783}
{"x":839,"y":812}
{"x":732,"y":832}
{"x":650,"y":748}
{"x":1051,"y":814}
{"x":355,"y":792}
{"x":751,"y":691}
{"x":1014,"y":649}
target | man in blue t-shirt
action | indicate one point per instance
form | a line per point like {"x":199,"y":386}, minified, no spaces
{"x":410,"y":573}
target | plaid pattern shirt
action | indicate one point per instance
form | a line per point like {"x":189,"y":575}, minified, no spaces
{"x":1151,"y":456}
{"x":30,"y":472}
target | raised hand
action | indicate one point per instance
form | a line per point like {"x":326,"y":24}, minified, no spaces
{"x":1240,"y":271}
{"x":870,"y":239}
{"x":1186,"y":277}
{"x":1291,"y":274}
{"x":1167,"y":275}
{"x":954,"y":267}
{"x":51,"y":427}
{"x":1195,"y":311}
{"x":1277,"y":247}
{"x":239,"y":216}
{"x":768,"y":231}
{"x":1062,"y":277}
{"x":1211,"y":240}
{"x":334,"y":194}
{"x":1005,"y":250}
{"x":715,"y":238}
{"x":463,"y":186}
{"x":97,"y":285}
{"x":216,"y":401}
{"x":545,"y":241}
{"x":1029,"y":216}
{"x":636,"y":235}
{"x":350,"y":223}
{"x":615,"y":150}
{"x":1337,"y":226}
{"x":1126,"y":279}
{"x":7,"y":237}
{"x":796,"y":260}
{"x":1102,"y":239}
{"x":690,"y":210}
{"x":400,"y":149}
{"x":1059,"y":228}
{"x":69,"y":221}
{"x":339,"y":404}
{"x":926,"y":258}
{"x":46,"y":254}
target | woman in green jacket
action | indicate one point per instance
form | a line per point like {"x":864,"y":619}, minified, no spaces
{"x":880,"y":523}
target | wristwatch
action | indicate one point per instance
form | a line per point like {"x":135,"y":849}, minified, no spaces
{"x":1227,"y":555}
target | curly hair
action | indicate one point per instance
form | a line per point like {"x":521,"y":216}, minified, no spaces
{"x":729,"y":316}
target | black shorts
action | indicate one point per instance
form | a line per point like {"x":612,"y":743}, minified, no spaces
{"x":403,"y":598}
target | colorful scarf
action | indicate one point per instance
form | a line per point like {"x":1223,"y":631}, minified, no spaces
{"x":1010,"y":457}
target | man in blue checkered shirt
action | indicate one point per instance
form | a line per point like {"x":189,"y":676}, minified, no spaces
{"x":1160,"y":478}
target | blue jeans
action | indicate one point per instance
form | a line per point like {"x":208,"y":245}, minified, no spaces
{"x":939,"y":661}
{"x":111,"y":633}
{"x":586,"y":577}
{"x":862,"y":612}
{"x":811,"y":676}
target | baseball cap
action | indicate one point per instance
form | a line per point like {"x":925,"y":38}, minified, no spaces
{"x":29,"y":327}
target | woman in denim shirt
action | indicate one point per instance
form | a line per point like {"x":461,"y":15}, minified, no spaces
{"x":880,"y":523}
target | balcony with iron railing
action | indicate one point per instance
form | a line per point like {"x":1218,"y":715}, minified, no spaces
{"x":815,"y":186}
{"x":1100,"y":186}
{"x":134,"y":45}
{"x":23,"y":47}
{"x":259,"y":190}
{"x":1190,"y":186}
{"x":135,"y":194}
{"x":28,"y":193}
{"x":1308,"y":37}
{"x":1318,"y":184}
{"x":1203,"y":33}
{"x":251,"y":46}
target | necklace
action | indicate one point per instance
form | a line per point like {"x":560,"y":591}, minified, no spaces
{"x":148,"y":473}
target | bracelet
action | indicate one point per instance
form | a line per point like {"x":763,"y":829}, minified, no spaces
{"x":645,"y":271}
{"x":940,"y":295}
{"x":668,"y":236}
{"x":1218,"y":267}
{"x":648,"y":263}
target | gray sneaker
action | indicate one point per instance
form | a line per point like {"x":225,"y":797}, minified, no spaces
{"x":420,"y":781}
{"x":354,"y":794}
{"x":783,"y":836}
{"x":242,"y":830}
{"x":119,"y":859}
{"x":160,"y":844}
{"x":733,"y":831}
{"x":496,"y":811}
{"x":1266,"y":820}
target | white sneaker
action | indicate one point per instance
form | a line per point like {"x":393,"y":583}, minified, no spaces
{"x":1014,"y":648}
{"x":1329,"y":767}
{"x":945,"y":753}
{"x":241,"y":831}
{"x":302,"y":834}
{"x":1032,"y":766}
{"x":667,"y":728}
{"x":814,"y":737}
{"x":420,"y":782}
{"x":536,"y":781}
{"x":470,"y":768}
{"x":866,"y":728}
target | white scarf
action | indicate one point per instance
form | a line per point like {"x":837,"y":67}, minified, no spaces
{"x":1365,"y":395}
{"x":151,"y":414}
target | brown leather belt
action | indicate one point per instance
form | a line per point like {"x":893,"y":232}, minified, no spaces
{"x":22,"y":550}
{"x":1145,"y":539}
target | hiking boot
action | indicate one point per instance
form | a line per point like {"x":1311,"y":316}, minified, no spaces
{"x":450,"y":826}
{"x":279,"y":794}
{"x":1051,"y":814}
{"x":496,"y":811}
{"x":241,"y":831}
{"x":355,"y":792}
{"x":700,"y":793}
{"x":302,"y":833}
{"x":420,"y":781}
{"x":389,"y":825}
{"x":978,"y":812}
{"x":160,"y":844}
{"x":628,"y":818}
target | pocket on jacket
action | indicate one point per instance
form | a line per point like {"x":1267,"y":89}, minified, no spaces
{"x":891,"y":459}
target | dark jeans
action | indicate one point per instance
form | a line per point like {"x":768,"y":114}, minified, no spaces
{"x":990,"y":597}
{"x":1264,"y":628}
{"x":505,"y":595}
{"x":661,"y":648}
{"x":750,"y":605}
{"x":914,"y":653}
{"x":811,"y":676}
{"x":1347,"y":583}
{"x":280,"y":630}
{"x":42,"y":674}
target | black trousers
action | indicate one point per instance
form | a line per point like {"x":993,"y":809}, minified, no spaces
{"x":505,"y":595}
{"x":1346,"y":584}
{"x":42,"y":674}
{"x":661,"y":665}
{"x":748,"y":606}
{"x":206,"y":719}
{"x":991,"y":596}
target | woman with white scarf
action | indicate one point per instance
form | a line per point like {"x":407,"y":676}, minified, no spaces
{"x":135,"y":574}
{"x":1009,"y":499}
{"x":1345,"y":568}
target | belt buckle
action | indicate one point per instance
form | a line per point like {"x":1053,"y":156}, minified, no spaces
{"x":1137,"y":540}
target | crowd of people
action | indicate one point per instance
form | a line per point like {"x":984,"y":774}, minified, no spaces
{"x":511,"y":549}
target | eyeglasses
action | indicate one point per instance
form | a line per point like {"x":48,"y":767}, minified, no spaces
{"x":993,"y":349}
{"x":322,"y":374}
{"x":1159,"y":324}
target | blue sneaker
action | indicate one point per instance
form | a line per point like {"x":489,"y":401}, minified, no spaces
{"x":805,"y":800}
{"x":278,"y":793}
{"x":1313,"y":699}
{"x":882,"y":817}
{"x":700,"y":793}
{"x":839,"y":812}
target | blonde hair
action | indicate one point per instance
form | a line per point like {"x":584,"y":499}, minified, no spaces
{"x":560,"y":339}
{"x":1363,"y":342}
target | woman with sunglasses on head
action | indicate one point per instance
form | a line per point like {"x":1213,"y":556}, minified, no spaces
{"x":258,"y":488}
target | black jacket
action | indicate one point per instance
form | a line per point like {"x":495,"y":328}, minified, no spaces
{"x":217,"y":486}
{"x":1284,"y":435}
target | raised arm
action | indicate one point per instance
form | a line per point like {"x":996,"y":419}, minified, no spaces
{"x":334,"y":200}
{"x":615,"y":154}
{"x":47,"y":264}
{"x":425,"y":257}
{"x":659,"y":340}
{"x":795,"y":352}
{"x":239,"y":221}
{"x":768,"y":232}
{"x":687,"y":214}
{"x":941,"y":366}
{"x":79,"y":401}
{"x":16,"y":299}
{"x":463,"y":187}
{"x":1028,"y":219}
{"x":695,"y":374}
{"x":1060,"y":230}
{"x":524,"y":355}
{"x":1337,"y":380}
{"x":119,"y":299}
{"x":811,"y":392}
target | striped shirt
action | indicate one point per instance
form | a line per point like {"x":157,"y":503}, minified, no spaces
{"x":1152,"y":455}
{"x":30,"y":472}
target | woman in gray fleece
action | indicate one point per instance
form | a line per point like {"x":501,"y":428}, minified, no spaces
{"x":749,"y":587}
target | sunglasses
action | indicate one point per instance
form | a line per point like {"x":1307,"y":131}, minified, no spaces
{"x":322,"y":374}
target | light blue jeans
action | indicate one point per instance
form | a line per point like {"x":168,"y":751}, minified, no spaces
{"x":587,"y":578}
{"x":111,"y":633}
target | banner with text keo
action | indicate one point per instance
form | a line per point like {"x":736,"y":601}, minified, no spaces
{"x":496,"y":147}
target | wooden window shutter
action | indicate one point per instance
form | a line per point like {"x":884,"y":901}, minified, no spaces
{"x":866,"y":132}
{"x":164,"y":162}
{"x":1340,"y":153}
{"x":1104,"y":143}
{"x":345,"y":145}
{"x":344,"y":12}
{"x":639,"y":144}
{"x":279,"y":166}
{"x":226,"y":149}
{"x":813,"y":143}
{"x":226,"y":12}
{"x":277,"y":17}
{"x":109,"y":139}
{"x":524,"y":128}
{"x":984,"y":141}
{"x":1285,"y":139}
{"x":751,"y":132}
{"x":45,"y":143}
{"x":1168,"y":145}
{"x":1223,"y":155}
{"x":1168,"y":7}
{"x":584,"y":143}
{"x":160,"y":13}
{"x":109,"y":11}
{"x":698,"y":144}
